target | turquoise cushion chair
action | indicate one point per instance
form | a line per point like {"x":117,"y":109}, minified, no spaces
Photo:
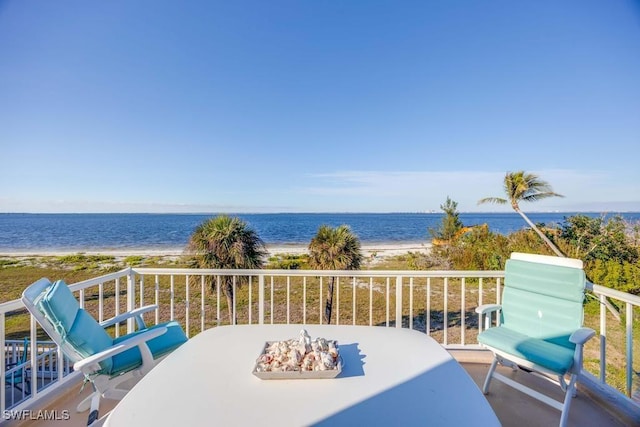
{"x":539,"y":323}
{"x":110,"y":364}
{"x":88,"y":337}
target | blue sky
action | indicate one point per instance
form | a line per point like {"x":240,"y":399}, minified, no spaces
{"x":316,"y":106}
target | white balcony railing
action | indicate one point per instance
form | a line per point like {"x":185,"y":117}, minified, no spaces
{"x":439,"y":303}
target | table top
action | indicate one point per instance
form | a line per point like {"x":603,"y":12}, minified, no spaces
{"x":389,"y":376}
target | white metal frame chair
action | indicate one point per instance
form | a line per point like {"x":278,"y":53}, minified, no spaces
{"x":539,"y":324}
{"x":112,"y":365}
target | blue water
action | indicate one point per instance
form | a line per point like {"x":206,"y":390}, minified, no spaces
{"x":94,"y":232}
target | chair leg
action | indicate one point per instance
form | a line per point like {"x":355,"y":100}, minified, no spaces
{"x":85,"y":404}
{"x":94,"y":409}
{"x":487,"y":380}
{"x":570,"y":392}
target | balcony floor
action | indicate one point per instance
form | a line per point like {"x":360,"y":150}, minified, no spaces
{"x":512,"y":407}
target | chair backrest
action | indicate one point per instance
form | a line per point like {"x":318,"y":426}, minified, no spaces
{"x":71,"y":327}
{"x":543,"y":297}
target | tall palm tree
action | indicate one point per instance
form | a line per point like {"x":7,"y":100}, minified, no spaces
{"x":334,"y":249}
{"x":521,"y":186}
{"x":228,"y":243}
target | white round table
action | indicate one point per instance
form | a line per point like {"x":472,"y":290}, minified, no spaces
{"x":391,"y":376}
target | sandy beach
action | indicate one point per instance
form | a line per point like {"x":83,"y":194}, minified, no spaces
{"x":379,"y":250}
{"x":368,"y":250}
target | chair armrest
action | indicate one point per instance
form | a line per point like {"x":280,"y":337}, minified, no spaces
{"x":133,"y":313}
{"x":488,"y":308}
{"x":582,"y":335}
{"x":90,"y":364}
{"x":579,"y":337}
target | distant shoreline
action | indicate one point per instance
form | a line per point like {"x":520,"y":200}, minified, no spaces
{"x":431,"y":212}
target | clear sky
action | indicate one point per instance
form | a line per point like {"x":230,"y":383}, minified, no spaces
{"x":316,"y":106}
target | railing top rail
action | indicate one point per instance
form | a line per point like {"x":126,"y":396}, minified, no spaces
{"x":622,"y":296}
{"x":100,"y":279}
{"x":13,"y":305}
{"x":324,"y":273}
{"x":17,"y":304}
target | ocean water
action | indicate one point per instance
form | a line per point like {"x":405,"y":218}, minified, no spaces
{"x":113,"y":232}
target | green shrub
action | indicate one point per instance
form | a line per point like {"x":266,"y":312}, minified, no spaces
{"x":288,"y":261}
{"x":133,"y":260}
{"x":622,"y":276}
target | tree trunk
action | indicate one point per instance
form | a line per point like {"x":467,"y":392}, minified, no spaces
{"x":328,"y":308}
{"x":540,"y":233}
{"x":228,"y":291}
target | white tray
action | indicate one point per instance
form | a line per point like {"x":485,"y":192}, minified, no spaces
{"x":297,"y":375}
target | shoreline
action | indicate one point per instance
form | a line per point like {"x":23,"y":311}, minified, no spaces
{"x":371,"y":250}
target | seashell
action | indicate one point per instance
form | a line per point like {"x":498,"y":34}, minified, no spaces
{"x":301,"y":354}
{"x":307,"y":364}
{"x":323,"y":345}
{"x":305,"y":339}
{"x":328,"y":361}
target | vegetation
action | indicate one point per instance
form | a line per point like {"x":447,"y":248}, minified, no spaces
{"x":525,"y":187}
{"x":609,"y":249}
{"x":227,"y":243}
{"x":451,"y":223}
{"x":334,"y":249}
{"x":288,"y":262}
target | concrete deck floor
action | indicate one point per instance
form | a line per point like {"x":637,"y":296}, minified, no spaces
{"x":512,"y":407}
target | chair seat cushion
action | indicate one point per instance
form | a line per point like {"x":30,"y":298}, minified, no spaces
{"x":554,"y":357}
{"x":159,"y":346}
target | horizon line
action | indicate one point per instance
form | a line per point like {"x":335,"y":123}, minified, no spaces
{"x":430,"y":212}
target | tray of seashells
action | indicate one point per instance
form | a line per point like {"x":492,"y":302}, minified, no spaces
{"x":301,"y":358}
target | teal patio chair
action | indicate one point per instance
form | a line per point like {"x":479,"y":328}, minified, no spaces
{"x":540,"y":324}
{"x":112,"y":365}
{"x":17,"y":374}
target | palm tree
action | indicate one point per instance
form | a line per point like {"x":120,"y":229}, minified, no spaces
{"x":525,"y":187}
{"x":334,"y":249}
{"x":227,"y":243}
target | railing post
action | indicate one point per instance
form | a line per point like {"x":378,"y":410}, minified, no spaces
{"x":463,"y":311}
{"x":131,"y":298}
{"x":629,"y":323}
{"x":186,"y":305}
{"x":117,"y":306}
{"x":398,"y":301}
{"x":261,"y":299}
{"x":603,"y":341}
{"x":202,"y":304}
{"x":33,"y":336}
{"x":172,"y":292}
{"x":2,"y":367}
{"x":428,"y":308}
{"x":445,"y":312}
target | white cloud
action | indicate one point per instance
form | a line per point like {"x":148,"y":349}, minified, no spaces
{"x":426,"y":190}
{"x":376,"y":191}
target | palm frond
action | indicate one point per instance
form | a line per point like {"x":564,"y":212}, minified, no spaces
{"x":496,"y":200}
